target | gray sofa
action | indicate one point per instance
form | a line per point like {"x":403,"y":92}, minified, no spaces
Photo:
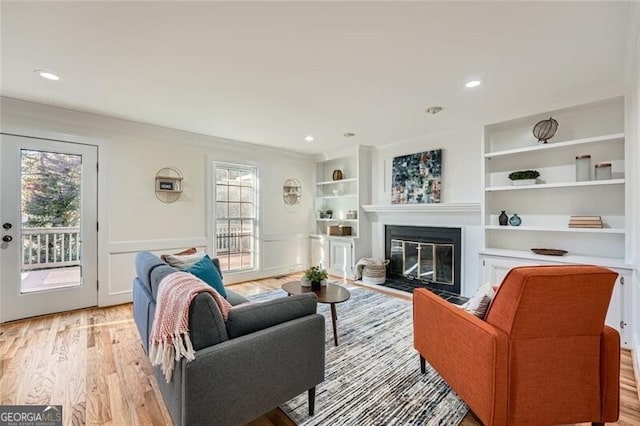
{"x":262,"y":356}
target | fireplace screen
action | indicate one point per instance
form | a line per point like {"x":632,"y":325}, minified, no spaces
{"x":425,"y":261}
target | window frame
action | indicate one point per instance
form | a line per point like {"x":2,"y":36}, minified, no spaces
{"x":254,"y":219}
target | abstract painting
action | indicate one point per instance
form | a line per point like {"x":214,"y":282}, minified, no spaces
{"x":416,"y":178}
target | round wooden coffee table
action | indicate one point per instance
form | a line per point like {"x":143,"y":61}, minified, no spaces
{"x":331,"y":294}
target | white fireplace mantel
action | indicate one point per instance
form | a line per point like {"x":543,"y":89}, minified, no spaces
{"x":423,"y":208}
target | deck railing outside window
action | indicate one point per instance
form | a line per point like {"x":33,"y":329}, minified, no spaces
{"x":44,"y":248}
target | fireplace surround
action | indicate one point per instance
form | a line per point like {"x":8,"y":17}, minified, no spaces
{"x":425,"y":256}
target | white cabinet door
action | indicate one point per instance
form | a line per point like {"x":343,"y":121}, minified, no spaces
{"x":496,"y":269}
{"x":618,"y":312}
{"x":341,"y":258}
{"x":319,"y":252}
{"x":614,"y":314}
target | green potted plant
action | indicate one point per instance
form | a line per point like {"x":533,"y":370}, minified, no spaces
{"x":315,"y":275}
{"x":325,"y":214}
{"x":524,"y":177}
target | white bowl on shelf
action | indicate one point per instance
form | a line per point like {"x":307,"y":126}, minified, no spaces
{"x":337,"y":192}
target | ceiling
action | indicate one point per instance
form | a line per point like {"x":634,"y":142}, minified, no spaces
{"x":272,"y":73}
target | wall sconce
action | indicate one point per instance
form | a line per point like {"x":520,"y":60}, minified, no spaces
{"x":291,"y":192}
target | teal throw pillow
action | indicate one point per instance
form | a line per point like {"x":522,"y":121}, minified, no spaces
{"x":207,"y":272}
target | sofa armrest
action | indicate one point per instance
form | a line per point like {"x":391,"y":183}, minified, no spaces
{"x":238,"y":380}
{"x":469,"y":354}
{"x":257,"y":316}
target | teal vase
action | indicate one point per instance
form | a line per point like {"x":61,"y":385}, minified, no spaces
{"x":515,"y":220}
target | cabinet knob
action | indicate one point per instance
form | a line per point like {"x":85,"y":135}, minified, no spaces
{"x":7,"y":238}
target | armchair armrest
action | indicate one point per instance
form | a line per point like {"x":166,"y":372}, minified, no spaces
{"x":237,"y":380}
{"x":610,"y":374}
{"x":471,"y":355}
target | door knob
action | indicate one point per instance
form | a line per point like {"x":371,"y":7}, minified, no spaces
{"x":6,"y":226}
{"x":7,"y":238}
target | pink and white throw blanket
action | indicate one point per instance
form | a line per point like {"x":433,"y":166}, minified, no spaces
{"x":169,"y":338}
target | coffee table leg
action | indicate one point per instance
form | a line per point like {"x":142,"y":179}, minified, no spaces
{"x":334,"y":317}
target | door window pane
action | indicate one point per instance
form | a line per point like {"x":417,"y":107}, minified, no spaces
{"x":50,"y":206}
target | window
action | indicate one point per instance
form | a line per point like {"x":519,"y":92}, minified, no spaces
{"x":235,"y":216}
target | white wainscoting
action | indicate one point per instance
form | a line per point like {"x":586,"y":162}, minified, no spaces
{"x":121,"y":265}
{"x":279,"y":254}
{"x":285,"y":253}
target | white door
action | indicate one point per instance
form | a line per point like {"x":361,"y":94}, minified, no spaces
{"x":49,"y":237}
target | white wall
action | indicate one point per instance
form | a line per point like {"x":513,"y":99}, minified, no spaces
{"x":134,"y":219}
{"x":460,"y":184}
{"x":461,"y":152}
{"x":633,"y":138}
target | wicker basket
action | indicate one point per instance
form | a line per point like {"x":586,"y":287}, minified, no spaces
{"x":375,"y":274}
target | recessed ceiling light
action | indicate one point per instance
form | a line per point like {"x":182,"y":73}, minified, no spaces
{"x":47,"y":74}
{"x":309,"y":138}
{"x":434,"y":109}
{"x":349,"y":135}
{"x":473,"y":83}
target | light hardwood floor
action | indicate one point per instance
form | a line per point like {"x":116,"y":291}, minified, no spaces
{"x":92,"y":363}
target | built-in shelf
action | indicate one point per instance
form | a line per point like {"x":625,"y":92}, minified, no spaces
{"x":569,"y":258}
{"x":556,"y":185}
{"x":334,"y":182}
{"x":338,"y":220}
{"x":328,"y":197}
{"x":556,"y":229}
{"x":334,"y":237}
{"x":615,"y":137}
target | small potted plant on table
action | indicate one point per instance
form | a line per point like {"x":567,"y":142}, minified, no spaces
{"x":315,"y":276}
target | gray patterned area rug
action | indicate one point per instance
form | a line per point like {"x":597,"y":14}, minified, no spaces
{"x":373,"y":376}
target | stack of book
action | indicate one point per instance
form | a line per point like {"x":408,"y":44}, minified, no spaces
{"x":585,"y":222}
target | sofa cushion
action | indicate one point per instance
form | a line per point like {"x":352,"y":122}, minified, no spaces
{"x":206,"y":325}
{"x":207,"y":272}
{"x":253,"y":317}
{"x":191,"y":250}
{"x":145,"y":263}
{"x":234,"y":298}
{"x":157,"y":275}
{"x":183,"y":262}
{"x":479,"y":304}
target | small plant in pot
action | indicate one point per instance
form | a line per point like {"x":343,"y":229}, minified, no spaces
{"x":315,"y":275}
{"x":325,"y":214}
{"x":524,"y":177}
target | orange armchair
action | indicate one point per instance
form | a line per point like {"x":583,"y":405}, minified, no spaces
{"x":542,"y":356}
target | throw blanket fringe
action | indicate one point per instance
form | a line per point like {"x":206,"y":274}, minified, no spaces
{"x":169,"y":340}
